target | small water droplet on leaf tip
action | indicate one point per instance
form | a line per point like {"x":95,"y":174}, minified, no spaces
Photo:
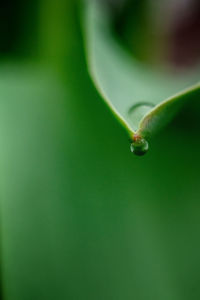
{"x":139,"y":146}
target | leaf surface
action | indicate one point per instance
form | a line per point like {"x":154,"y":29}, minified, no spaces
{"x":142,"y":99}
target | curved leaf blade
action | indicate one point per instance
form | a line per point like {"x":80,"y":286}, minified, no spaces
{"x":143,"y":100}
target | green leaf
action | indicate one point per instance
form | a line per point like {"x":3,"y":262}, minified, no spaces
{"x":65,"y":223}
{"x":142,"y":99}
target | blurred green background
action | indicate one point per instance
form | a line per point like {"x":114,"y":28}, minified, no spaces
{"x":81,"y":217}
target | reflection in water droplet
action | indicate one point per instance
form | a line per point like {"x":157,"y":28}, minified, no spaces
{"x":137,"y":112}
{"x":139,"y":147}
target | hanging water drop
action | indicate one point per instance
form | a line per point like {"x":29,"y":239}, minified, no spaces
{"x":139,"y":146}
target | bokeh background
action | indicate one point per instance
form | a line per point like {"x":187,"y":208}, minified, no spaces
{"x":81,"y":217}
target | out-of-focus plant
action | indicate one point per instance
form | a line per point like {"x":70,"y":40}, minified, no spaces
{"x":81,"y":217}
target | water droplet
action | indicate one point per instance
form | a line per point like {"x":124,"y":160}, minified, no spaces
{"x":137,"y":112}
{"x":139,"y":146}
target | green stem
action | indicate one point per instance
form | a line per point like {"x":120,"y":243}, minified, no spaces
{"x":56,"y":30}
